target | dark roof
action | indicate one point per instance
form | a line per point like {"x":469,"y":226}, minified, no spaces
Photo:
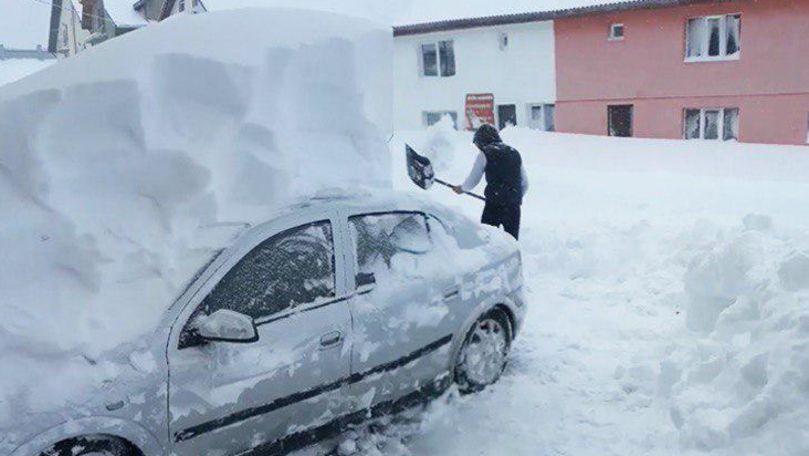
{"x":522,"y":18}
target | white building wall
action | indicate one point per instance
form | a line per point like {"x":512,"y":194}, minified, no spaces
{"x":71,"y":38}
{"x":522,"y":74}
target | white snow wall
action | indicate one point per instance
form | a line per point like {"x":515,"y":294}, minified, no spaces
{"x":112,"y":160}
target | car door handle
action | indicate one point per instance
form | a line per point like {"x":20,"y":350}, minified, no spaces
{"x":451,"y":294}
{"x":331,"y":339}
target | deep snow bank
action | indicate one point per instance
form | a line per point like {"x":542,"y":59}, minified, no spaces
{"x":742,"y":385}
{"x":115,"y":164}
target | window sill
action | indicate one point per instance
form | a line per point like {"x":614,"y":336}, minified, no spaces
{"x":728,"y":58}
{"x":712,"y":140}
{"x":615,"y":39}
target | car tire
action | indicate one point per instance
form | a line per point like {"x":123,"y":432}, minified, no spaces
{"x":92,"y":446}
{"x":484,"y":353}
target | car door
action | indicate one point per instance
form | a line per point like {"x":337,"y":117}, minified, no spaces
{"x":226,"y":398}
{"x":403,"y":306}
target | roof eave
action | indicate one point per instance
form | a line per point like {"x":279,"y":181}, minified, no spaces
{"x":540,"y":16}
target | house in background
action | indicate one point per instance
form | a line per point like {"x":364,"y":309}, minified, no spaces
{"x":79,"y":24}
{"x":23,"y":40}
{"x":710,"y":70}
{"x":67,"y":36}
{"x":505,"y":62}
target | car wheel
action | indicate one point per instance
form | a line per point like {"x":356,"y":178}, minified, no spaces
{"x":92,"y":446}
{"x":483,"y":356}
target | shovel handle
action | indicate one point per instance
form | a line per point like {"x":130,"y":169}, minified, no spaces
{"x":473,"y":195}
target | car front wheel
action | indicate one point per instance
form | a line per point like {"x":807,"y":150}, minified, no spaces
{"x":484,"y":354}
{"x":92,"y":446}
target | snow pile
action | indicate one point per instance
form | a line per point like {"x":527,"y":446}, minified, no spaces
{"x":744,"y":386}
{"x":121,"y":166}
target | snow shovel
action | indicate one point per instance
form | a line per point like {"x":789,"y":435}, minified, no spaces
{"x":421,"y":172}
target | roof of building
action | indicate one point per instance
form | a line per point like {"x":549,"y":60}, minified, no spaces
{"x":537,"y":16}
{"x":123,"y":13}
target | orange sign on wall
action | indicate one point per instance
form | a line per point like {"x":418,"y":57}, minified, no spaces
{"x":479,"y":109}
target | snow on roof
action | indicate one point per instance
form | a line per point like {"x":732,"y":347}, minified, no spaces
{"x":24,"y":24}
{"x":123,"y":13}
{"x":15,"y":69}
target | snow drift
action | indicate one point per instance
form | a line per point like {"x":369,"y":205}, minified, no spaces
{"x":741,"y":386}
{"x":115,"y":164}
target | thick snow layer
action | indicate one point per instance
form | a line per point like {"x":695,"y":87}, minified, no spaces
{"x":15,"y":69}
{"x":668,"y":292}
{"x":24,"y":25}
{"x":118,"y":165}
{"x":123,"y":13}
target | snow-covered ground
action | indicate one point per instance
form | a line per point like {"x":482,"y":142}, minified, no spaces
{"x":16,"y":69}
{"x":669,"y":292}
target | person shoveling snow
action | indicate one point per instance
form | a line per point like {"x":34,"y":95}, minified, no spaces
{"x":506,"y":180}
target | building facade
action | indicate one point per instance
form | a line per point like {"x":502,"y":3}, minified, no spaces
{"x":724,"y":70}
{"x":510,"y":66}
{"x":80,"y":24}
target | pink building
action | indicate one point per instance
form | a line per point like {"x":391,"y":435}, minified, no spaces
{"x":691,"y":69}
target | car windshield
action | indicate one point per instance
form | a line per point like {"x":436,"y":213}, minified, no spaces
{"x":199,"y":272}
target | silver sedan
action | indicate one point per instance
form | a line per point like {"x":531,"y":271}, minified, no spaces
{"x":335,"y":310}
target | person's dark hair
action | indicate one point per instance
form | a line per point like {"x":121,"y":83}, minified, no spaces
{"x":485,"y":135}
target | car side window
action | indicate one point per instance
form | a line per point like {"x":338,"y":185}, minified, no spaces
{"x":287,"y":270}
{"x":378,"y":238}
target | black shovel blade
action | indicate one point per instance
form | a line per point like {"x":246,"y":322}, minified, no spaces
{"x":419,"y":169}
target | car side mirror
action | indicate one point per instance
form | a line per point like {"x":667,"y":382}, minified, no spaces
{"x":227,"y":326}
{"x":365,"y":282}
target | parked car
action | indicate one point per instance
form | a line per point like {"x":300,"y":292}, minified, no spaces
{"x":337,"y":309}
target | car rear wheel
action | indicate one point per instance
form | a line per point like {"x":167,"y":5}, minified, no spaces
{"x":484,"y":354}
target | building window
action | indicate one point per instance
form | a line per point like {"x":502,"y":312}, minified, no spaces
{"x":616,"y":32}
{"x":541,"y":117}
{"x":438,"y":59}
{"x":503,"y":39}
{"x":430,"y":118}
{"x":713,"y":38}
{"x":181,"y":6}
{"x":619,"y":120}
{"x":711,"y":123}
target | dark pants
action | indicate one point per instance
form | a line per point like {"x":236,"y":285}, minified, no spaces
{"x":506,"y":216}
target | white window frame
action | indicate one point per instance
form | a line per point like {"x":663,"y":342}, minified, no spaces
{"x":720,"y":124}
{"x":612,"y":36}
{"x":543,"y":124}
{"x":706,"y":39}
{"x":435,"y":44}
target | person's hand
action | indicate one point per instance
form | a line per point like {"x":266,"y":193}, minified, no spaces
{"x":457,"y":189}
